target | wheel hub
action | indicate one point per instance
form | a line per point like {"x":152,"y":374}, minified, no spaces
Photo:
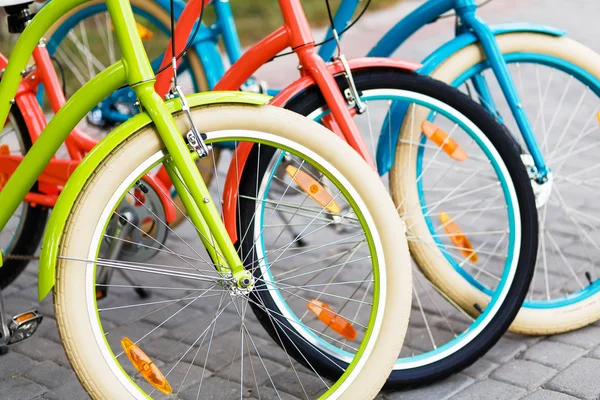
{"x":541,"y":190}
{"x":237,"y":287}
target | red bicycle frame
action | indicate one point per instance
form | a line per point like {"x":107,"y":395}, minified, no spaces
{"x":296,"y":34}
{"x":78,"y":144}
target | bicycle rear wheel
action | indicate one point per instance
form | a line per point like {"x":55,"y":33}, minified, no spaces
{"x":197,"y":331}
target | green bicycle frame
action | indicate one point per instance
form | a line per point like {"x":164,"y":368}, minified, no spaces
{"x":134,"y":69}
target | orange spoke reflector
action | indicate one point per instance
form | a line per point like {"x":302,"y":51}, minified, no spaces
{"x":313,"y":188}
{"x":145,"y":33}
{"x":598,"y":116}
{"x":458,"y":238}
{"x":146,"y":366}
{"x":333,"y":321}
{"x":446,"y":143}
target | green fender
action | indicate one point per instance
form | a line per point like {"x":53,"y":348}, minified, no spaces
{"x":62,"y":210}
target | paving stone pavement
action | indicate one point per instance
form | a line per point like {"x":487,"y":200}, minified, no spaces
{"x":519,"y":367}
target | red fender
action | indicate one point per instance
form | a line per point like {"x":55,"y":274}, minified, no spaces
{"x":242,"y":152}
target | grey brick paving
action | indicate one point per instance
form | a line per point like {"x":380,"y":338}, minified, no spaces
{"x":271,"y":394}
{"x":440,"y":390}
{"x":14,"y":363}
{"x":556,"y":355}
{"x":525,"y":374}
{"x":20,"y":389}
{"x":543,"y":394}
{"x":480,"y":369}
{"x":587,"y":339}
{"x":580,"y":379}
{"x":533,"y":368}
{"x":505,"y":350}
{"x":70,"y":390}
{"x":289,"y":383}
{"x":48,"y":374}
{"x":43,"y":350}
{"x":594,"y":353}
{"x":212,"y":388}
{"x":490,"y":389}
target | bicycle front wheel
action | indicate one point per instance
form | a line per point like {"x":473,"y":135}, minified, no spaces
{"x":558,"y":81}
{"x":467,"y":202}
{"x":197,"y":331}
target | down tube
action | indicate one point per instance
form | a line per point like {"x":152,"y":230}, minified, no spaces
{"x":59,"y":127}
{"x":423,"y":15}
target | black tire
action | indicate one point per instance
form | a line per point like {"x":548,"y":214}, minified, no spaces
{"x":387,"y":78}
{"x":31,"y":228}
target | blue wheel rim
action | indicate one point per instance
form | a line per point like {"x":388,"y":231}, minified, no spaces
{"x":494,"y":296}
{"x":593,"y":84}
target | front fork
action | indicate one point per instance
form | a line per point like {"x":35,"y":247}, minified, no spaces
{"x":192,"y":189}
{"x":466,"y":12}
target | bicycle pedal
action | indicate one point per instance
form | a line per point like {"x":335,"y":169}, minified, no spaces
{"x":24,"y":325}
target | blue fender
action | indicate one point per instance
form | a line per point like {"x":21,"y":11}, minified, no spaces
{"x":204,"y":44}
{"x":386,"y":147}
{"x":465,"y":39}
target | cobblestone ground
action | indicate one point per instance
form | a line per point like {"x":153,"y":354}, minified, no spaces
{"x":534,"y":368}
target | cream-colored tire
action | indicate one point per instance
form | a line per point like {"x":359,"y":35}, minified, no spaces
{"x":74,"y":296}
{"x":550,"y":319}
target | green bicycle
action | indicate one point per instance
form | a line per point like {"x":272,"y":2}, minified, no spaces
{"x":203,"y":282}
